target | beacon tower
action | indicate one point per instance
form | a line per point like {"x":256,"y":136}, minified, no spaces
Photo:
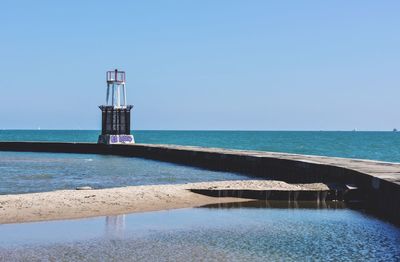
{"x":116,"y":114}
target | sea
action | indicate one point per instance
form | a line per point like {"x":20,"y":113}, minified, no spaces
{"x":383,"y":146}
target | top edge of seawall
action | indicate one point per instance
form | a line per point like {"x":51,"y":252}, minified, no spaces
{"x":244,"y":152}
{"x":258,"y":152}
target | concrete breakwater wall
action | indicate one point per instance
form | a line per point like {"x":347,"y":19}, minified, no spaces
{"x":379,"y":181}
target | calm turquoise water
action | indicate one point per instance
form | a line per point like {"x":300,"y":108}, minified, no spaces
{"x":23,"y":172}
{"x":242,"y":234}
{"x":383,"y":146}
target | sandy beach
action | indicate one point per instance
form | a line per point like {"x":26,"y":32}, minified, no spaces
{"x":71,"y":204}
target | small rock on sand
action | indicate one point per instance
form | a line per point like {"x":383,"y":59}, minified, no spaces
{"x":84,"y":188}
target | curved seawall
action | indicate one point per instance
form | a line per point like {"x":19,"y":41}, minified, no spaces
{"x":379,"y":181}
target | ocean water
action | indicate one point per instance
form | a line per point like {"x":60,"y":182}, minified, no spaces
{"x":27,"y":172}
{"x":203,"y":234}
{"x":384,"y":146}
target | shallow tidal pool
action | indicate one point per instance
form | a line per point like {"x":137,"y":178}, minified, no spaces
{"x":243,"y":233}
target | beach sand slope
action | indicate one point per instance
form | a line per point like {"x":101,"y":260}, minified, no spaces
{"x":70,"y":204}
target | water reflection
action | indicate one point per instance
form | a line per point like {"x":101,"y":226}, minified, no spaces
{"x":281,"y":204}
{"x":115,"y":226}
{"x":249,"y":231}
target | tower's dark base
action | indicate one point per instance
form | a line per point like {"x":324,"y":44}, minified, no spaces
{"x":116,"y":125}
{"x":116,"y":139}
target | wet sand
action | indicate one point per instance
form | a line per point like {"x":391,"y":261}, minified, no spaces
{"x":70,"y":204}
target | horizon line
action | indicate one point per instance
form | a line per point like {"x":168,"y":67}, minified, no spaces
{"x":211,"y":130}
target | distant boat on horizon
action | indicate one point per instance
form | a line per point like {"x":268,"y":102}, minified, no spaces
{"x":394,"y":129}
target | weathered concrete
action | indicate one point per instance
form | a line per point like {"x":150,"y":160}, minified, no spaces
{"x":380,"y":181}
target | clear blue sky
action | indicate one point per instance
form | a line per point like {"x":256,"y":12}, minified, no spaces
{"x":260,"y":65}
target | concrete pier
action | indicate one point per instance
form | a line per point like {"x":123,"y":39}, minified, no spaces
{"x":379,"y":181}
